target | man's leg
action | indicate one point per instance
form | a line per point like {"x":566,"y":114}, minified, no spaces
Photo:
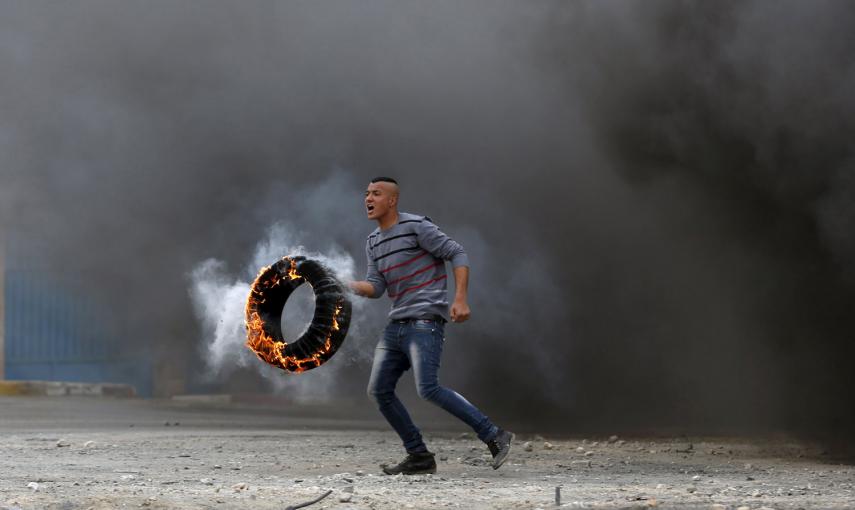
{"x":390,"y":362}
{"x":423,"y":344}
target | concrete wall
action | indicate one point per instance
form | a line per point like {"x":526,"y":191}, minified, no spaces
{"x":2,"y":308}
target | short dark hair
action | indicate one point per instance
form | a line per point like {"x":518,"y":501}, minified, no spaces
{"x":384,"y":179}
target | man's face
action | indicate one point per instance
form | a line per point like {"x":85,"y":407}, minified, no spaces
{"x":380,"y":198}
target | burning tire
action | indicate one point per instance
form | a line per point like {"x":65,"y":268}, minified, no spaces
{"x":271,"y":289}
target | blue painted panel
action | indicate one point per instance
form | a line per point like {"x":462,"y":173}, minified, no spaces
{"x":54,"y":334}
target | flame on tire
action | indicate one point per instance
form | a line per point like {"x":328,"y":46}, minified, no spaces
{"x":267,"y":348}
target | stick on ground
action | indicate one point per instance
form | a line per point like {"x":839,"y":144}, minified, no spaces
{"x":307,"y":503}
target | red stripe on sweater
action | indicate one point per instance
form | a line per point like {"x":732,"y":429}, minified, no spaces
{"x":408,"y":289}
{"x":420,"y":271}
{"x":402,"y":264}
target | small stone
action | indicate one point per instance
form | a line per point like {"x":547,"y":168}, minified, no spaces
{"x":660,"y":486}
{"x":696,"y":477}
{"x":345,"y":498}
{"x":743,"y":508}
{"x":620,"y":442}
{"x":589,"y":454}
{"x":547,"y":445}
{"x":206,"y":481}
{"x":240,"y":486}
{"x":527,"y":446}
{"x":34,"y":486}
{"x":579,"y":449}
{"x":217,"y":466}
{"x":691,"y":490}
{"x":613,"y":439}
{"x":718,"y":506}
{"x":359,"y":472}
{"x":62,"y":443}
{"x":89,"y":444}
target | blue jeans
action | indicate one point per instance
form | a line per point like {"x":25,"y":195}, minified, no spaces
{"x":418,"y":344}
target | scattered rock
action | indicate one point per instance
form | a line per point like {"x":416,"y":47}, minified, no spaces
{"x":34,"y":486}
{"x":62,"y":443}
{"x":475,"y":461}
{"x":589,"y":453}
{"x":579,"y":449}
{"x":696,"y":477}
{"x":613,"y":439}
{"x":206,"y":481}
{"x":547,"y":445}
{"x":527,"y":446}
{"x":240,"y":486}
{"x":718,"y":506}
{"x":360,"y":472}
{"x":89,"y":444}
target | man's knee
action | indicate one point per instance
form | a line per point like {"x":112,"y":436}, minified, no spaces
{"x":429,"y":391}
{"x":378,"y":394}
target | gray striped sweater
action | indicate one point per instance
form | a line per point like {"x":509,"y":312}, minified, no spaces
{"x":408,"y":261}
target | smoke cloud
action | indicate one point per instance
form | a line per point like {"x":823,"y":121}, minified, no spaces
{"x":657,"y":197}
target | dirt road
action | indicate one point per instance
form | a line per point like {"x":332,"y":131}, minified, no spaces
{"x":79,"y":453}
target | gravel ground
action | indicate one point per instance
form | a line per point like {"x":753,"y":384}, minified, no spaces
{"x":70,"y":453}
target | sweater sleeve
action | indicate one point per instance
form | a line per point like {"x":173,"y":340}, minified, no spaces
{"x":434,"y":241}
{"x":374,"y":276}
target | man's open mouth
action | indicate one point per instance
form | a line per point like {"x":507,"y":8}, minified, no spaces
{"x":370,"y":208}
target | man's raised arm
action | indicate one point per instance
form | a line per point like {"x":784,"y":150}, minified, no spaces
{"x":374,"y":284}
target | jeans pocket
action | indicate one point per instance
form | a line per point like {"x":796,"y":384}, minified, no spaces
{"x":424,"y":325}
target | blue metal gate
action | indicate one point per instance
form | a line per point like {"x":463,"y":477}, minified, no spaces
{"x":55,"y":334}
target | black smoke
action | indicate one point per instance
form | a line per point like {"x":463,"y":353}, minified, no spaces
{"x":658,"y":196}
